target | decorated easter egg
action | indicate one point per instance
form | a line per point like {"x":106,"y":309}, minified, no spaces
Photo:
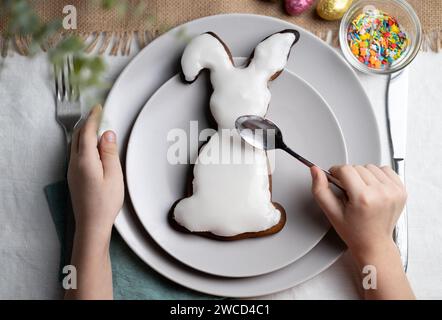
{"x":295,"y":7}
{"x":332,"y":9}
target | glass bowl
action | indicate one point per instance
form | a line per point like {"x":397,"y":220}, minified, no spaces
{"x":408,"y":21}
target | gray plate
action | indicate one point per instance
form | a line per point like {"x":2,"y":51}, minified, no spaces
{"x":154,"y":184}
{"x":316,"y":63}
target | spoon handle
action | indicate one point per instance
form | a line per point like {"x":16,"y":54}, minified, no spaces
{"x":309,"y":164}
{"x":333,"y":180}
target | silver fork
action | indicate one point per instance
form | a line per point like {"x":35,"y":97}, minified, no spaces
{"x":67,"y":96}
{"x":68,"y":115}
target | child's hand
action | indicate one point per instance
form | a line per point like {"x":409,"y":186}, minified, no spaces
{"x":365,"y":221}
{"x":376,"y":197}
{"x":95,"y":179}
{"x":97,"y":193}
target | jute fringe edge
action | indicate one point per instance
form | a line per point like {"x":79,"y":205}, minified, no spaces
{"x":119,"y":43}
{"x":111,"y":43}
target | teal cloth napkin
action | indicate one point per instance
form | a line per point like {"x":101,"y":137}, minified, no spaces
{"x":132,"y":278}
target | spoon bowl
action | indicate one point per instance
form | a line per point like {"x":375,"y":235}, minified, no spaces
{"x":259,"y":132}
{"x":263,"y":134}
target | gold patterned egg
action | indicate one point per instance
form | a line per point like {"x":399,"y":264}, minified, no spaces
{"x":332,"y":9}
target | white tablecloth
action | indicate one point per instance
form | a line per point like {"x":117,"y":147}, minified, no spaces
{"x":32,"y":153}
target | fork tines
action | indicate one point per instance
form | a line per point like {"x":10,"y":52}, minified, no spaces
{"x":65,"y":87}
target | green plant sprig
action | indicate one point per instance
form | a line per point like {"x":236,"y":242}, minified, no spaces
{"x":22,"y":20}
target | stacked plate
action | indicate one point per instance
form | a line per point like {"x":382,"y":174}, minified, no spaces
{"x":324,"y":114}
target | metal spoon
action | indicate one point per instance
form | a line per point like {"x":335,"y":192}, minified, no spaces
{"x":264,"y":134}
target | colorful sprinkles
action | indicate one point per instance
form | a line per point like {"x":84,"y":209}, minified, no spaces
{"x":376,"y":39}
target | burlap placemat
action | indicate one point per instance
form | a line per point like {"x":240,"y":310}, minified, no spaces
{"x":112,"y":32}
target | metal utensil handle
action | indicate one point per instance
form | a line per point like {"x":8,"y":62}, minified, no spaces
{"x":333,"y":180}
{"x":309,"y":164}
{"x":400,"y":234}
{"x":69,"y":213}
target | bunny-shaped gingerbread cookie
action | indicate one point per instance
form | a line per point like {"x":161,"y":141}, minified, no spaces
{"x":232,"y":199}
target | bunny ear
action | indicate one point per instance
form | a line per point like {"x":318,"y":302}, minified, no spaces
{"x":206,"y":51}
{"x":270,"y":55}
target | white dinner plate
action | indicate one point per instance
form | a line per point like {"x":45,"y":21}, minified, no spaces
{"x":155,"y":184}
{"x":317,"y":63}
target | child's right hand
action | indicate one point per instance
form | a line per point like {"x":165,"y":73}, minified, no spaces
{"x":366,"y":220}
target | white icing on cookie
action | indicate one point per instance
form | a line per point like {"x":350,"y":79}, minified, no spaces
{"x":228,"y":200}
{"x":234,"y":197}
{"x":237,"y":91}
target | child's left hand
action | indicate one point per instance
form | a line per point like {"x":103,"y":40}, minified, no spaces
{"x":95,"y":178}
{"x":97,"y":193}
